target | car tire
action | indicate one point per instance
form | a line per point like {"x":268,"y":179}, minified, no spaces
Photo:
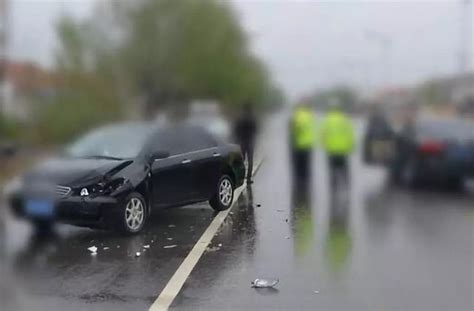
{"x":224,"y":194}
{"x":453,"y":183}
{"x":132,"y":214}
{"x":42,"y":227}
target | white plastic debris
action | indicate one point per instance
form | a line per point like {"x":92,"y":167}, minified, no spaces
{"x":146,"y":246}
{"x":93,"y":250}
{"x":264,"y":283}
{"x":213,"y":249}
{"x":171,"y":226}
{"x":220,"y":244}
{"x":106,"y":248}
{"x":316,"y":291}
{"x":137,"y":254}
{"x":169,"y":239}
{"x":170,"y":246}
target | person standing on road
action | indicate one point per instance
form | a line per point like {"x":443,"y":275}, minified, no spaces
{"x":337,"y":135}
{"x":302,"y":140}
{"x":245,"y":133}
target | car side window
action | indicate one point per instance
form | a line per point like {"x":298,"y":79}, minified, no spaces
{"x":178,"y":140}
{"x":200,"y":139}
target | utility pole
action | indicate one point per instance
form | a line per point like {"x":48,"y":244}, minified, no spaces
{"x":3,"y":49}
{"x":465,"y":51}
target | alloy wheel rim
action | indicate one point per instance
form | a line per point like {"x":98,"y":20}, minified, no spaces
{"x":225,"y":192}
{"x":134,"y":214}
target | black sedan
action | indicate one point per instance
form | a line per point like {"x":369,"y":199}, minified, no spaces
{"x":434,"y":151}
{"x":117,"y":176}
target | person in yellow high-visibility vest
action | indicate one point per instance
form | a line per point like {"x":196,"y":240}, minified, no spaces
{"x":337,"y":139}
{"x":302,"y":141}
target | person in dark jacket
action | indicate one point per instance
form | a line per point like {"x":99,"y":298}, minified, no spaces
{"x":378,"y":140}
{"x":245,"y":132}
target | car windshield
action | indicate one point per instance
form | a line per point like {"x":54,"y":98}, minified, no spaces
{"x":447,"y":129}
{"x":113,"y":142}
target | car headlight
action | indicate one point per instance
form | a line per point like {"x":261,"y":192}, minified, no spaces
{"x":102,"y":188}
{"x":13,"y":186}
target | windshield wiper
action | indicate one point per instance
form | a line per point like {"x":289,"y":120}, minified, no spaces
{"x":103,"y":157}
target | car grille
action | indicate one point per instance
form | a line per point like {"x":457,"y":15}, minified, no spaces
{"x":62,"y":190}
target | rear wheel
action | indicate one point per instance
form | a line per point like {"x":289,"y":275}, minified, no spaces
{"x":132,"y":214}
{"x":224,"y":194}
{"x":453,"y":183}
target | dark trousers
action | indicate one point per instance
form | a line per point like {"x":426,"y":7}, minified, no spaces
{"x":247,"y":152}
{"x":301,"y":162}
{"x":338,"y":169}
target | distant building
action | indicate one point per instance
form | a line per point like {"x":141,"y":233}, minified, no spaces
{"x":23,"y":85}
{"x":448,"y":95}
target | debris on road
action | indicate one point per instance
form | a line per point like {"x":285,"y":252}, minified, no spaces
{"x":146,"y":246}
{"x":106,"y":248}
{"x":220,"y":244}
{"x":169,"y":239}
{"x":93,"y":250}
{"x":264,"y":283}
{"x":118,"y":246}
{"x":171,"y":226}
{"x":316,"y":291}
{"x":170,"y":246}
{"x":213,"y":249}
{"x":137,"y":254}
{"x":258,"y":205}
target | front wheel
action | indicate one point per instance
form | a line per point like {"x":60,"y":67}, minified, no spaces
{"x":42,"y":227}
{"x":132,"y":214}
{"x":224,"y":195}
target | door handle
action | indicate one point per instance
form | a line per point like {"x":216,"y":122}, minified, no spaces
{"x":216,"y":154}
{"x":186,"y":161}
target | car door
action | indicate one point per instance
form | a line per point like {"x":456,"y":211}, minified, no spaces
{"x":172,"y":176}
{"x":206,"y":166}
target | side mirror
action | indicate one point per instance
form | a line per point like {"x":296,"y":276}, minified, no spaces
{"x":159,"y":155}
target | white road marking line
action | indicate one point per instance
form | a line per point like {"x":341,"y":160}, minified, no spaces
{"x":172,"y":289}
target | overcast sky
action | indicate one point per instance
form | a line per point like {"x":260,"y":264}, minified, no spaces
{"x":306,"y":44}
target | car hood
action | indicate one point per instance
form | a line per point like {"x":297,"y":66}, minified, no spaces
{"x":75,"y":171}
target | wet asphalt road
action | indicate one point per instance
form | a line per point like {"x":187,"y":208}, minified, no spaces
{"x":384,"y":248}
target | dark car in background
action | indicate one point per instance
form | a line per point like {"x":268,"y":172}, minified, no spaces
{"x":117,"y":176}
{"x":434,"y":151}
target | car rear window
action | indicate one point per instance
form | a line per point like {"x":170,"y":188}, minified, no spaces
{"x":463,"y":130}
